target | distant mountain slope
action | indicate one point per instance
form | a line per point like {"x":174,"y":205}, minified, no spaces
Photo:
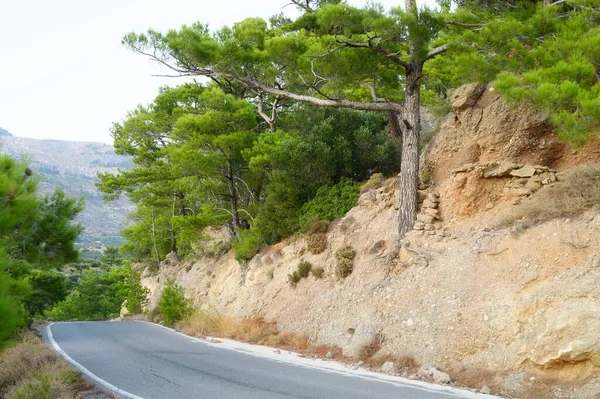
{"x":73,"y":165}
{"x":4,"y":133}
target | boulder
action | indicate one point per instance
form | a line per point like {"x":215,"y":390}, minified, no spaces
{"x":433,"y":198}
{"x":124,"y":311}
{"x":388,"y":368}
{"x":419,"y":225}
{"x":467,"y":95}
{"x":432,"y":212}
{"x":501,"y":170}
{"x":525,"y":171}
{"x":429,"y":204}
{"x":432,"y":373}
{"x":425,"y":219}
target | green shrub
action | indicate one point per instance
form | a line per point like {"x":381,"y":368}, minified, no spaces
{"x":344,"y":257}
{"x":136,"y":294}
{"x":246,"y":245}
{"x":304,"y":269}
{"x":172,"y":305}
{"x":317,"y":272}
{"x":331,"y":202}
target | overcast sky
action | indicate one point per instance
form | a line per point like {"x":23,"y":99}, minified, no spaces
{"x":64,"y":73}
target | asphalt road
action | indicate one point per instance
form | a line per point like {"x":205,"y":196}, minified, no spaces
{"x":143,"y":360}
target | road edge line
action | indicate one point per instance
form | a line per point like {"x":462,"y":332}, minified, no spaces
{"x":85,"y":371}
{"x":362,"y":374}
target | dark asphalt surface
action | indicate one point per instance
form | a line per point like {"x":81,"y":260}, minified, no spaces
{"x":152,"y":362}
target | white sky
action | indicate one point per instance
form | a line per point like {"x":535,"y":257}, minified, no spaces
{"x":64,"y":73}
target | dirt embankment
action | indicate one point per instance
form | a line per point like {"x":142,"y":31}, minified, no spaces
{"x":473,"y":290}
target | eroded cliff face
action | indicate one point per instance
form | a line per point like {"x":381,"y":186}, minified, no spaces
{"x":457,"y":292}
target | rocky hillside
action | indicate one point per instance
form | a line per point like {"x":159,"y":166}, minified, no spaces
{"x":73,"y":165}
{"x":4,"y":132}
{"x":497,"y":284}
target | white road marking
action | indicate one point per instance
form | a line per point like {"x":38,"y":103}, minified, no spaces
{"x":86,"y":371}
{"x":266,"y":353}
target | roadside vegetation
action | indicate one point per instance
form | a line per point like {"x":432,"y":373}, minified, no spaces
{"x":37,"y":237}
{"x":98,"y":293}
{"x":254,"y":331}
{"x":172,"y":306}
{"x":29,"y":369}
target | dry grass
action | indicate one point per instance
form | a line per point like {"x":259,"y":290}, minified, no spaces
{"x":523,"y":387}
{"x":316,"y":243}
{"x":367,"y":350}
{"x":577,"y":191}
{"x":31,"y":370}
{"x":255,"y":331}
{"x":375,"y":181}
{"x":406,"y":362}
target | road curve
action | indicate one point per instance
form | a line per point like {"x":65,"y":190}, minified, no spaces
{"x":147,"y":361}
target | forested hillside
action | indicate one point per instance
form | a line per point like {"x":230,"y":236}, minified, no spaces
{"x":73,"y":166}
{"x":298,"y":112}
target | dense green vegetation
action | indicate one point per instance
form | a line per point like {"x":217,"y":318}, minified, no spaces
{"x":97,"y":293}
{"x":201,"y":159}
{"x":37,"y":236}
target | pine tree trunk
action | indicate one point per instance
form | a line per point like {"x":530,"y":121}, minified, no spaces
{"x":411,"y":126}
{"x":395,"y":131}
{"x":154,"y":241}
{"x":233,"y":195}
{"x":173,"y":241}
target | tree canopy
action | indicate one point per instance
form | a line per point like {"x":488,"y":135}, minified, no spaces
{"x":213,"y":164}
{"x":336,"y":55}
